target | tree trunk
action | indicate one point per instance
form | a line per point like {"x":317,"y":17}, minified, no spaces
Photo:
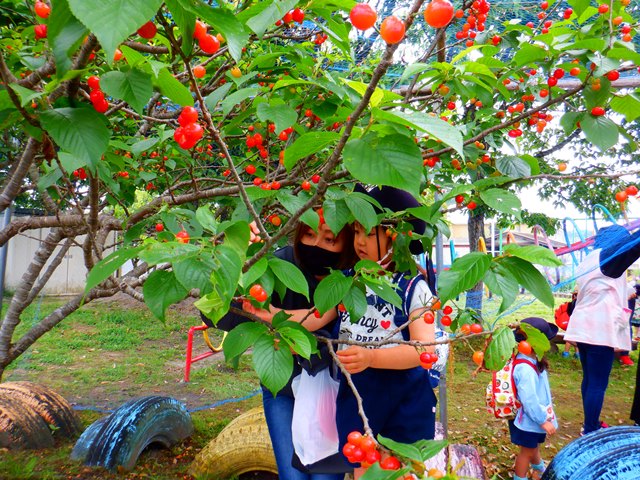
{"x":475,"y":228}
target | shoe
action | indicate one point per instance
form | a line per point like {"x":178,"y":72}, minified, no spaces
{"x":626,"y":360}
{"x":576,"y":356}
{"x":565,"y":354}
{"x":602,"y":425}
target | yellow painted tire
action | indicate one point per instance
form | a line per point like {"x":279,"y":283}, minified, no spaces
{"x":21,"y":428}
{"x":242,"y":446}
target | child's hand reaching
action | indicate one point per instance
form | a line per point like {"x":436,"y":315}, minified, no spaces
{"x":265,"y":315}
{"x":548,"y":427}
{"x":355,"y":359}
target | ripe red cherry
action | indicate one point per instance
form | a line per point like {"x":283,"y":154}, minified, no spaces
{"x":392,"y":30}
{"x":429,"y":317}
{"x":447,"y":310}
{"x":200,"y":30}
{"x":472,"y":205}
{"x":613,"y":75}
{"x":603,"y":8}
{"x":250,"y":169}
{"x":575,"y":71}
{"x":42,"y":9}
{"x":363,"y":16}
{"x":182,"y":236}
{"x":297,"y":15}
{"x":597,"y":111}
{"x":159,"y":227}
{"x":354,"y":438}
{"x":199,"y":71}
{"x":632,"y":190}
{"x":524,"y":347}
{"x":187,"y":116}
{"x":451,"y":105}
{"x":478,"y":357}
{"x":209,"y":44}
{"x":306,"y":185}
{"x":93,"y":82}
{"x":148,"y":30}
{"x":258,"y":292}
{"x":390,"y":463}
{"x":476,"y":328}
{"x":367,"y":444}
{"x":459,"y":198}
{"x":552,"y":81}
{"x":446,"y":320}
{"x":558,"y":73}
{"x":438,"y":13}
{"x":315,"y":178}
{"x":544,"y":5}
{"x":621,"y":196}
{"x":41,"y":31}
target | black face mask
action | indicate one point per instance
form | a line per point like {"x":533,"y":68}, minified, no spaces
{"x":317,"y":260}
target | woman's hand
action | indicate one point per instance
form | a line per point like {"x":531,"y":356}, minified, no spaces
{"x":265,"y":315}
{"x":356,"y":359}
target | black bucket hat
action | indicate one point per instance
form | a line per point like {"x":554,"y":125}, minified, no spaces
{"x":396,"y":200}
{"x":549,"y":329}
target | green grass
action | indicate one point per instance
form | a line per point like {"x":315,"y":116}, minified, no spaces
{"x":108,"y":353}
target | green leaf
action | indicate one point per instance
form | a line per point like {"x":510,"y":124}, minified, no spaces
{"x":237,"y":97}
{"x":308,"y":144}
{"x":195,"y":272}
{"x":533,"y":163}
{"x":135,"y":58}
{"x":26,"y":94}
{"x":80,"y":131}
{"x":133,"y":86}
{"x":464,"y":273}
{"x":355,"y":302}
{"x":435,"y":127}
{"x":302,"y":341}
{"x":502,"y":201}
{"x":375,"y":472}
{"x":500,"y":348}
{"x":273,"y":365}
{"x":362,"y":211}
{"x":64,"y":33}
{"x":538,"y":340}
{"x":500,"y":282}
{"x":600,"y":131}
{"x":430,"y":448}
{"x":279,"y":113}
{"x":169,"y":252}
{"x":160,"y":290}
{"x":171,"y":87}
{"x":269,"y":16}
{"x":528,"y":53}
{"x":108,"y":265}
{"x":513,"y":166}
{"x":331,"y":290}
{"x":627,"y":105}
{"x":186,"y":22}
{"x":380,"y":286}
{"x":237,"y":236}
{"x":212,"y":100}
{"x":477,"y":68}
{"x":530,"y":278}
{"x":289,"y":275}
{"x":534,"y":254}
{"x":393,"y":160}
{"x":407,"y":450}
{"x":255,"y":272}
{"x":361,"y":88}
{"x":579,"y":6}
{"x":336,"y":214}
{"x":569,"y":121}
{"x":240,"y":338}
{"x":112,"y":22}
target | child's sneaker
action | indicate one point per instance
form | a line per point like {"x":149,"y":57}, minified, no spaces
{"x":576,"y":356}
{"x":565,"y":354}
{"x":626,"y":360}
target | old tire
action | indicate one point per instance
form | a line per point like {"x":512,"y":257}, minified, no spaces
{"x":242,"y":446}
{"x":118,"y":440}
{"x":21,"y":427}
{"x":51,"y":407}
{"x":606,"y":454}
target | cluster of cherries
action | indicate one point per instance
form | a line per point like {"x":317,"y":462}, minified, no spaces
{"x":363,"y":449}
{"x":623,"y":195}
{"x":208,"y":43}
{"x":96,"y":95}
{"x":189,"y":132}
{"x":258,"y":292}
{"x":80,"y":174}
{"x":295,"y":15}
{"x":475,"y":22}
{"x":43,"y":11}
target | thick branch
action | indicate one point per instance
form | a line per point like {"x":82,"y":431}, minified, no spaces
{"x":44,"y":278}
{"x":13,"y":183}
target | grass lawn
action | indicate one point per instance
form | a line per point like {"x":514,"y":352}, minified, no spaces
{"x":113,"y":351}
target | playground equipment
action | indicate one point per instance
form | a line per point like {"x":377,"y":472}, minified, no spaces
{"x":117,"y":440}
{"x":606,"y":454}
{"x":31,"y":415}
{"x":190,"y":359}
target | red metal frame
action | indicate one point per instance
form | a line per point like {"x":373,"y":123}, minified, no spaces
{"x":190,"y":359}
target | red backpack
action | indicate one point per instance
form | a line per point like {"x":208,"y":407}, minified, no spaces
{"x":563,"y":313}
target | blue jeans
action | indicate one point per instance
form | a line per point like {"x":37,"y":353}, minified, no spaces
{"x":597,"y":361}
{"x":279,"y":414}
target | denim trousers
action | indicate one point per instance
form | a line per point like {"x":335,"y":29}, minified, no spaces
{"x":278,"y":411}
{"x":597,"y":361}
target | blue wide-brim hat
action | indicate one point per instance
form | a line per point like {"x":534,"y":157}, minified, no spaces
{"x":613,"y":236}
{"x":397,"y":200}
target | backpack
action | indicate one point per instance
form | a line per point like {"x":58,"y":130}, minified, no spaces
{"x":502,"y":396}
{"x":563,"y":312}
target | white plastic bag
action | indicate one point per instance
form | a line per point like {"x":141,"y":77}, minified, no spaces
{"x":313,"y":428}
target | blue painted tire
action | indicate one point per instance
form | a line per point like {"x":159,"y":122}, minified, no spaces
{"x":606,"y":454}
{"x":116,"y":441}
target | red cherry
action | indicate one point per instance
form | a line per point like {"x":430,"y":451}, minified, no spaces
{"x":392,"y":30}
{"x":193,"y":132}
{"x":101,"y":106}
{"x":552,"y":81}
{"x":575,"y":71}
{"x":613,"y":75}
{"x":187,"y":116}
{"x":315,"y":178}
{"x":476,"y":328}
{"x":41,"y":31}
{"x":250,"y":169}
{"x":451,"y":105}
{"x":42,"y":9}
{"x":283,"y":136}
{"x":348,"y":449}
{"x":362,"y":16}
{"x":632,"y":190}
{"x":159,"y":227}
{"x":200,"y":30}
{"x":524,"y":347}
{"x":199,"y":71}
{"x":367,"y":444}
{"x":288,"y":17}
{"x":472,"y":205}
{"x":597,"y":111}
{"x":447,"y":310}
{"x":558,"y":73}
{"x":275,"y":185}
{"x":93,"y":82}
{"x":306,"y":186}
{"x":148,"y":30}
{"x":297,"y":15}
{"x":438,"y":13}
{"x":429,"y":317}
{"x":257,"y":181}
{"x":478,"y":357}
{"x":182,"y":236}
{"x":446,"y":320}
{"x":621,"y":196}
{"x":390,"y":463}
{"x":544,"y":5}
{"x":354,"y":438}
{"x":459,"y":198}
{"x":209,"y":44}
{"x":372,"y":457}
{"x":567,"y":13}
{"x":258,"y":292}
{"x":603,"y":8}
